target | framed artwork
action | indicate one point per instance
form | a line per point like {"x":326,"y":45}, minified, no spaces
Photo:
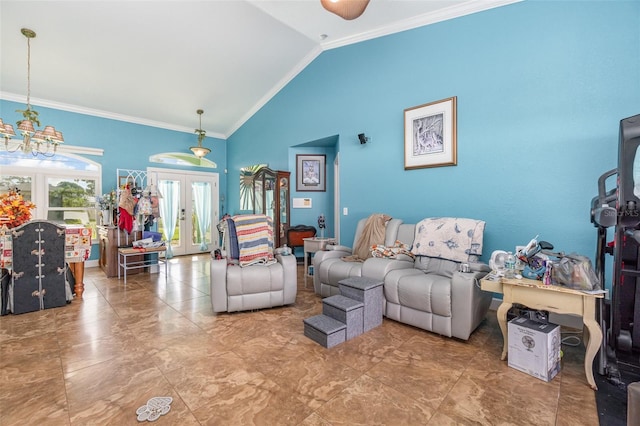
{"x":430,"y":135}
{"x":123,"y":180}
{"x":311,"y":173}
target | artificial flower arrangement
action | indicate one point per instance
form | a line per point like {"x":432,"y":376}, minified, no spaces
{"x":14,"y":209}
{"x":106,"y":201}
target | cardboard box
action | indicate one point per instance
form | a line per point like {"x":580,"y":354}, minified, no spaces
{"x":534,"y":348}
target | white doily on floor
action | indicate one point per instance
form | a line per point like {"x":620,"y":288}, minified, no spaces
{"x":155,"y":407}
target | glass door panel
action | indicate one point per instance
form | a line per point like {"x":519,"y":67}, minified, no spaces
{"x":195,"y":209}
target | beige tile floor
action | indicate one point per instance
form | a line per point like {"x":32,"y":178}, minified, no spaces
{"x":96,"y":360}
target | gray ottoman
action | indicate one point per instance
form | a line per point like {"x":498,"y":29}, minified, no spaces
{"x":325,"y":330}
{"x":345,"y":310}
{"x":369,"y":292}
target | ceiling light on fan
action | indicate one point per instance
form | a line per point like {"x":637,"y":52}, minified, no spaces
{"x":200,"y":151}
{"x":346,"y":9}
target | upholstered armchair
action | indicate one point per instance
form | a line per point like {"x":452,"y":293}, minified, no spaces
{"x":241,"y":288}
{"x":330,"y":267}
{"x":434,"y":294}
{"x":264,"y":282}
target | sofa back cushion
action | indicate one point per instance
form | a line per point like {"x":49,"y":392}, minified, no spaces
{"x":406,"y":233}
{"x":456,"y":239}
{"x":391,"y":231}
{"x":434,"y":265}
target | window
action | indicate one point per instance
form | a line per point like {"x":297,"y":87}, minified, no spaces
{"x":63,"y":187}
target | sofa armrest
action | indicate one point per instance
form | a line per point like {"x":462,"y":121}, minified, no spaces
{"x":322,"y":255}
{"x":338,"y":247}
{"x":469,"y":304}
{"x":378,"y":267}
{"x":218,"y":283}
{"x":290,"y":277}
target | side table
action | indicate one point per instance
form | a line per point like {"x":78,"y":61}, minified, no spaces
{"x":560,"y":300}
{"x":125,"y":253}
{"x":312,"y":245}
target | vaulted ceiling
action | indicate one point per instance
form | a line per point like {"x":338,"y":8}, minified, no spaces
{"x":157,"y":62}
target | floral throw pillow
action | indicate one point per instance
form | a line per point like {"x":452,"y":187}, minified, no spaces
{"x":450,"y":238}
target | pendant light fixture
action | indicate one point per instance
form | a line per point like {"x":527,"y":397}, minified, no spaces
{"x":200,"y":151}
{"x":44,"y":142}
{"x":346,"y":9}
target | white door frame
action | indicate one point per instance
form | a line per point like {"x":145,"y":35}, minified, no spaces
{"x":186,"y":177}
{"x":336,"y":197}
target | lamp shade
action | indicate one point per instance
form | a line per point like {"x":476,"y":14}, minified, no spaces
{"x":7,"y":131}
{"x":26,"y":126}
{"x":200,"y":151}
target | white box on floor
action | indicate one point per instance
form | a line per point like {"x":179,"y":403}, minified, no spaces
{"x":534,"y":348}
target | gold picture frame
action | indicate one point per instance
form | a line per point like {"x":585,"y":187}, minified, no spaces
{"x":430,"y":135}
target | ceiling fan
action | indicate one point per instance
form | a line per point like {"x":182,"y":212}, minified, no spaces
{"x":346,"y":9}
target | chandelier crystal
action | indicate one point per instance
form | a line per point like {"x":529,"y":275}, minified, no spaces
{"x":200,"y":151}
{"x":43,"y":142}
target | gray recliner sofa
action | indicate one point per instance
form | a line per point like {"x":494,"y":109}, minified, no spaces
{"x":435,"y":296}
{"x":330,"y":268}
{"x":430,"y":293}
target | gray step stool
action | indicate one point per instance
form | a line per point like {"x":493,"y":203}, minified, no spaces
{"x":325,"y":330}
{"x":369,"y":292}
{"x":347,"y":311}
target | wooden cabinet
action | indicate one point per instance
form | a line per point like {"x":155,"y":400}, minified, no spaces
{"x":271,"y":190}
{"x":108,"y":259}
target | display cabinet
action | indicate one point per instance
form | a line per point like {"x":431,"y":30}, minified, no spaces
{"x":271,"y":197}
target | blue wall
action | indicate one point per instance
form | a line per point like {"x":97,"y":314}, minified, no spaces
{"x":541,"y":88}
{"x":126,"y":145}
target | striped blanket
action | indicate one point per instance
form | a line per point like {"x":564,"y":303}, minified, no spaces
{"x":255,"y":239}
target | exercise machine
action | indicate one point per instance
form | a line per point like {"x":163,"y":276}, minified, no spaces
{"x":619,"y":208}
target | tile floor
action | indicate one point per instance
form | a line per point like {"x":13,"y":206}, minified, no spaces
{"x":96,"y":360}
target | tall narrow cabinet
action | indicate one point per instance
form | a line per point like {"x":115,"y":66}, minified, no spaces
{"x":271,"y":190}
{"x":111,"y":239}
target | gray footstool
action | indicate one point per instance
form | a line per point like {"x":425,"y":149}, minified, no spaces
{"x":369,"y":292}
{"x":347,"y":311}
{"x":325,"y":330}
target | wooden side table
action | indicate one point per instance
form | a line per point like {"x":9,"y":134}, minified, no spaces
{"x":561,"y":300}
{"x":312,"y":245}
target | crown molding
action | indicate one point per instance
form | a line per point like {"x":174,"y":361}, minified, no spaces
{"x":102,"y":114}
{"x":452,"y":12}
{"x":277,"y":87}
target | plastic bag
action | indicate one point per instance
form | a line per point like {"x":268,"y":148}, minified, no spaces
{"x":574,"y":271}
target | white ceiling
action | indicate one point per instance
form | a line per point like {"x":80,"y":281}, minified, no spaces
{"x":157,"y":62}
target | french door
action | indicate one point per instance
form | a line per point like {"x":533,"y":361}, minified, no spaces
{"x":188,"y":209}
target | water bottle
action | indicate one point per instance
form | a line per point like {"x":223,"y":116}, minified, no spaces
{"x":510,"y":266}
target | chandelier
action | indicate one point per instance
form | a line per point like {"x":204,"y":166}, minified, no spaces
{"x":44,"y":142}
{"x":346,"y":9}
{"x":200,"y":151}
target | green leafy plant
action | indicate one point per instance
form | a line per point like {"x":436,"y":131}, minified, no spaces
{"x":30,"y":115}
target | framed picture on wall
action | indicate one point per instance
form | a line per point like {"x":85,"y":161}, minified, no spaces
{"x":430,"y":138}
{"x":311,"y":173}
